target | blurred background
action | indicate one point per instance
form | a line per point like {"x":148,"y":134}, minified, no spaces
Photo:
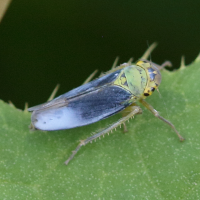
{"x":45,"y":42}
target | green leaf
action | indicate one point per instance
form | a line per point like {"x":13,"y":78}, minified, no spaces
{"x":148,"y":162}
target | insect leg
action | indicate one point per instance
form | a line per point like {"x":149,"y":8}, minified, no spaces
{"x":124,"y":113}
{"x":125,"y":128}
{"x":156,"y":114}
{"x":135,"y":110}
{"x":165,"y":64}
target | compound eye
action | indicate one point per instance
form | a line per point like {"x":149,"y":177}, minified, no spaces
{"x":155,"y":75}
{"x":146,"y":94}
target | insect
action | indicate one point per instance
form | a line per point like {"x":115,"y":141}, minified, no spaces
{"x":116,"y":91}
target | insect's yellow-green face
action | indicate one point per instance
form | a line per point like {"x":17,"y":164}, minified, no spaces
{"x":153,"y":76}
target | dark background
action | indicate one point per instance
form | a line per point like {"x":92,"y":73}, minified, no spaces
{"x":45,"y":42}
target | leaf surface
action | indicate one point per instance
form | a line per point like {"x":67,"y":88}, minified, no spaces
{"x":148,"y":162}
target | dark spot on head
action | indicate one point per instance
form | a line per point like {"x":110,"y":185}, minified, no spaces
{"x":152,"y":89}
{"x":146,"y":94}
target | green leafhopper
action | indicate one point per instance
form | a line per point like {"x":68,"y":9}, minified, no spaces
{"x":116,"y":91}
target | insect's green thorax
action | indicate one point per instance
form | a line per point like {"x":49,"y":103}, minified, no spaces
{"x":134,"y":79}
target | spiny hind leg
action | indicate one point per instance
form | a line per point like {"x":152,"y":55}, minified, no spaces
{"x":125,"y":112}
{"x":134,"y":110}
{"x":156,"y":114}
